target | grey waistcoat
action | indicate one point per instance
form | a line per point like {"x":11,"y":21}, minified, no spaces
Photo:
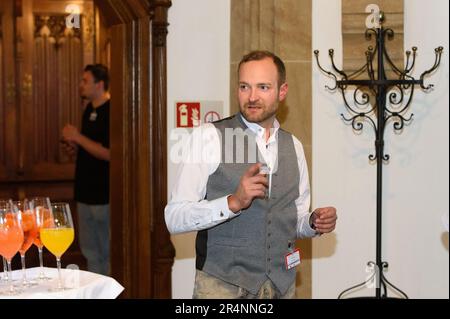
{"x":250,"y":248}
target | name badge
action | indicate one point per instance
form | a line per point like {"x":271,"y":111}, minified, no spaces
{"x":93,"y":116}
{"x":292,"y":259}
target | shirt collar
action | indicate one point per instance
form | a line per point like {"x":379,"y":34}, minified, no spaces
{"x":259,"y":130}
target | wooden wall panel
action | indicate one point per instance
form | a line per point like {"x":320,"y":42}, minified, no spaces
{"x":49,"y":58}
{"x":8,"y":92}
{"x":2,"y":110}
{"x":57,"y":69}
{"x":41,"y":64}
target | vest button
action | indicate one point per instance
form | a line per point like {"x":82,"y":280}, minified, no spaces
{"x":268,"y":271}
{"x":221,"y":214}
{"x":268,"y":259}
{"x":269,"y":222}
{"x":268,"y":235}
{"x":268,"y":246}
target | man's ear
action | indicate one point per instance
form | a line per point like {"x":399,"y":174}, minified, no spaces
{"x":283,"y":91}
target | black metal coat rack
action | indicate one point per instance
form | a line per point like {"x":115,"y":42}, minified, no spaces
{"x":398,"y":93}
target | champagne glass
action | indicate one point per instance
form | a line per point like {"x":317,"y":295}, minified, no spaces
{"x":30,"y":232}
{"x":41,"y":208}
{"x":5,"y":268}
{"x":57,"y":235}
{"x":11,"y":239}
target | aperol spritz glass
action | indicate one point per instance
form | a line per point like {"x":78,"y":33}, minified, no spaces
{"x":57,"y":234}
{"x":11,"y":239}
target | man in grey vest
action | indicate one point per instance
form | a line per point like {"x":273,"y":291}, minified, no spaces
{"x":243,"y":185}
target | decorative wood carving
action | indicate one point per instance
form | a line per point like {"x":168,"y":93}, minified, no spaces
{"x":159,"y":35}
{"x":54,"y":27}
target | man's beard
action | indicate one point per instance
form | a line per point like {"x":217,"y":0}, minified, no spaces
{"x":265,"y":114}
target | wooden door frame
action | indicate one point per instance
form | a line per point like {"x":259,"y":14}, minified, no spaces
{"x":142,"y":254}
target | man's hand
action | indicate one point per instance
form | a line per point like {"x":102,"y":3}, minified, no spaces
{"x":324,"y":219}
{"x":69,"y":147}
{"x":71,"y":134}
{"x":252,"y":185}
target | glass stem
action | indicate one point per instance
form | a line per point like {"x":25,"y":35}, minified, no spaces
{"x":10,"y":283}
{"x":41,"y":263}
{"x":24,"y":271}
{"x":58,"y":264}
{"x":5,"y":269}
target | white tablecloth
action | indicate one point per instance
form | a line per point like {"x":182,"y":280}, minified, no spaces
{"x":83,"y":284}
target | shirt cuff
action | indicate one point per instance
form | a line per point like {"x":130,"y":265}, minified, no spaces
{"x":309,"y":231}
{"x":221,"y":211}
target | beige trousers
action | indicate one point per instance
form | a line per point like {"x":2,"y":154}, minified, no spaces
{"x":210,"y":287}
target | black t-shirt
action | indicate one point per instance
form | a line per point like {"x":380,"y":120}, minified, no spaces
{"x":92,"y":174}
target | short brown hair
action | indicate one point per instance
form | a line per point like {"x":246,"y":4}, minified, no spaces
{"x":261,"y":55}
{"x":100,"y":73}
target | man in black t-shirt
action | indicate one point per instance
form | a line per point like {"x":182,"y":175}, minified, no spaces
{"x":92,"y":168}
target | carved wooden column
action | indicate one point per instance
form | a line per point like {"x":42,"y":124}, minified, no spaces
{"x":142,"y":254}
{"x":163,"y":250}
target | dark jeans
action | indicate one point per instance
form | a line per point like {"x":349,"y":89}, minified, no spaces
{"x":94,"y":233}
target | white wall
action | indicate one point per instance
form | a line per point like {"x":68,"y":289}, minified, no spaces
{"x":198,"y":63}
{"x":415,"y":188}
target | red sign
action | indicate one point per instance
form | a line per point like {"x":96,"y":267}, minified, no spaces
{"x":188,"y":114}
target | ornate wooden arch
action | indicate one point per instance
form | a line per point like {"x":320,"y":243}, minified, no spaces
{"x":142,"y":253}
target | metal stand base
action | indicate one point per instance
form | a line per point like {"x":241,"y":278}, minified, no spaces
{"x":380,"y":281}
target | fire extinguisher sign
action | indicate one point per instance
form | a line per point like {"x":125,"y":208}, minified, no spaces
{"x":188,"y":114}
{"x":194,"y":113}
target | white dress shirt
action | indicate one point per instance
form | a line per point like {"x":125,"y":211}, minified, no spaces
{"x":187,"y":209}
